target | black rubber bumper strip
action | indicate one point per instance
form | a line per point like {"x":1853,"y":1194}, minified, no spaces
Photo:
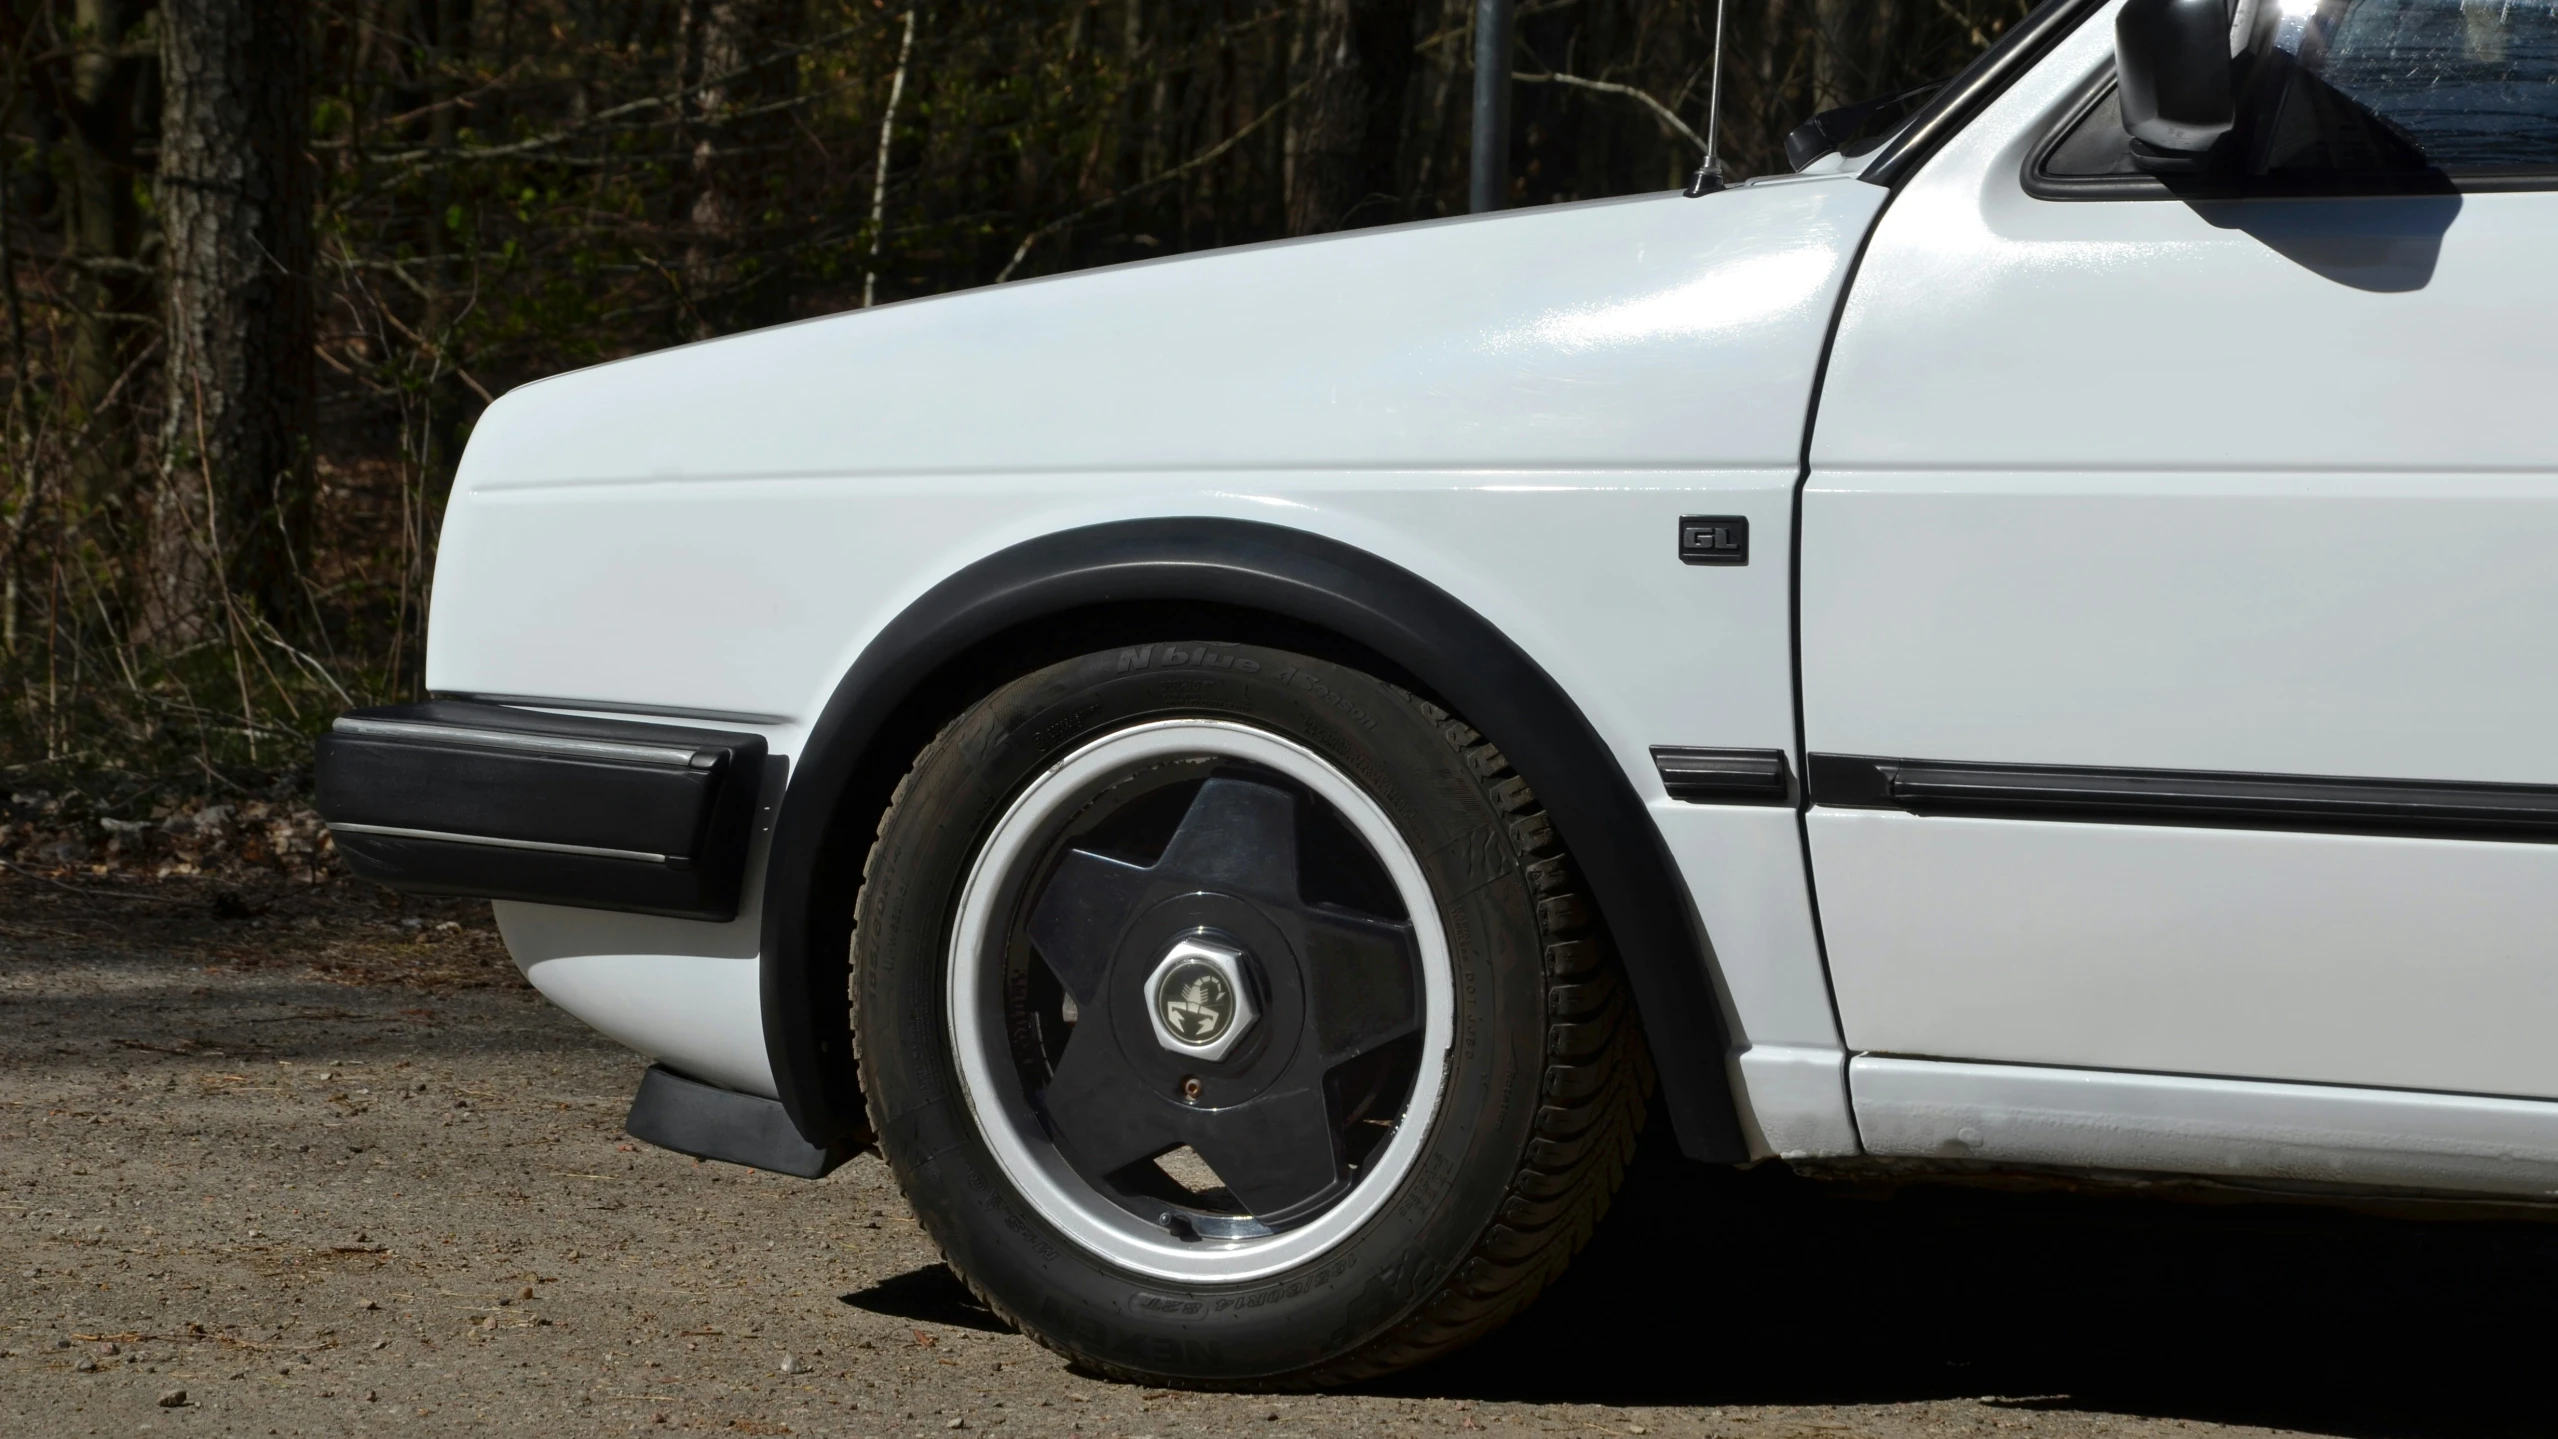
{"x":1724,"y":776}
{"x":456,"y":797}
{"x":2209,"y":799}
{"x":708,"y":1122}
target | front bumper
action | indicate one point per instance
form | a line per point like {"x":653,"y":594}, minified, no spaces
{"x":496,"y":802}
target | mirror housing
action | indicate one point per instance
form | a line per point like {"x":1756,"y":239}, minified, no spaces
{"x":2178,"y":80}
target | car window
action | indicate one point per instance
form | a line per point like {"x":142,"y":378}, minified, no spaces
{"x":2354,"y":95}
{"x":2470,"y":85}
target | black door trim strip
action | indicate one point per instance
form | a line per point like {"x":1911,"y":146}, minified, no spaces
{"x":2203,"y":798}
{"x":1724,"y":776}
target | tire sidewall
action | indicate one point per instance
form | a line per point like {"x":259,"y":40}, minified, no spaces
{"x":1326,"y":1306}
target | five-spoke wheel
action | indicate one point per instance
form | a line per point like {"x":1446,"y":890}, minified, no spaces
{"x":1229,"y":1015}
{"x":1195,"y":938}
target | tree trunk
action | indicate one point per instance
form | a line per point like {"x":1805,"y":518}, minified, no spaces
{"x":1331,"y":120}
{"x":1348,"y":130}
{"x":235,"y":199}
{"x":736,"y":155}
{"x":1331,"y":164}
{"x":103,"y":225}
{"x":443,"y":46}
{"x":1848,"y":39}
{"x":1387,"y":69}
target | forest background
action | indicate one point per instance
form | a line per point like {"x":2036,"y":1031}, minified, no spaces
{"x":265,"y":261}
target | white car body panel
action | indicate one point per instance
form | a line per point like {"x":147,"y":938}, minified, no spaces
{"x":700,"y":1015}
{"x":1508,"y":408}
{"x":2077,"y":1119}
{"x":2260,"y":488}
{"x":2194,"y":951}
{"x":2123,"y":484}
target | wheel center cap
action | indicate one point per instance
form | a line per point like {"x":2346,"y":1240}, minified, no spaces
{"x":1198,"y":999}
{"x":1197,"y":1002}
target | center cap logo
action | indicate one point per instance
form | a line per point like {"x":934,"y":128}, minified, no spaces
{"x":1197,"y":999}
{"x":1196,"y":1002}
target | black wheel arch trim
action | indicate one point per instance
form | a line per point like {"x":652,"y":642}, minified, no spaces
{"x":840,"y":782}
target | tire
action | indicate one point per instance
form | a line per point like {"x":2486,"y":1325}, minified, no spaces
{"x":1369,"y":1206}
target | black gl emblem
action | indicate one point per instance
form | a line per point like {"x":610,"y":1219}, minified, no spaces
{"x":1714,"y":540}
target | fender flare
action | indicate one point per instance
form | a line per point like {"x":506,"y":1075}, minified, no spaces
{"x":841,"y":781}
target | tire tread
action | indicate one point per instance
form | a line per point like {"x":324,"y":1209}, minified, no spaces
{"x":1596,"y":1083}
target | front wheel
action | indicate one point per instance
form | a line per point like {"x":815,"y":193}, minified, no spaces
{"x":1230,"y":1016}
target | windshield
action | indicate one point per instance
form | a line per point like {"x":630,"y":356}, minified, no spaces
{"x":1975,"y":56}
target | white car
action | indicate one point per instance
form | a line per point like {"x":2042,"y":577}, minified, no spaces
{"x":2033,"y":646}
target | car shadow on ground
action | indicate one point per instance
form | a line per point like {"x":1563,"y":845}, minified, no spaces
{"x":1708,"y":1286}
{"x":930,"y":1295}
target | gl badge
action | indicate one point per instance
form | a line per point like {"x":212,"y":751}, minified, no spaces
{"x":1714,"y":539}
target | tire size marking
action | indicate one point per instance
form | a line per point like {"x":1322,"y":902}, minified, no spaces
{"x":1318,"y":1277}
{"x":1308,"y":683}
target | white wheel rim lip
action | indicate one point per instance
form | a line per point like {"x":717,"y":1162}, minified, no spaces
{"x":1002,"y":1114}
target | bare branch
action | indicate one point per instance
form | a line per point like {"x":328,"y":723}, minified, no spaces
{"x":1668,"y":117}
{"x":1204,"y":157}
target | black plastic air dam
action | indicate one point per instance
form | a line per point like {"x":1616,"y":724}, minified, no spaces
{"x":708,"y":1122}
{"x":494,"y":802}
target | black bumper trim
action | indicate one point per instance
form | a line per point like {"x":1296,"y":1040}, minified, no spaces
{"x":455,"y":797}
{"x":708,"y":1122}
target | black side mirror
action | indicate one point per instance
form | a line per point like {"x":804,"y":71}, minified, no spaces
{"x":2179,"y":88}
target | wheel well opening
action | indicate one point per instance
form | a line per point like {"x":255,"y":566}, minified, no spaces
{"x":972,"y":674}
{"x":946,"y":692}
{"x":898,"y":699}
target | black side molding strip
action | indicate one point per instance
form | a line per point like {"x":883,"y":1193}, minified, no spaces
{"x":708,"y":1122}
{"x":2209,"y":799}
{"x":1725,"y":776}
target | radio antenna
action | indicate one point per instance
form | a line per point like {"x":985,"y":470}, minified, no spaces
{"x":1709,"y":172}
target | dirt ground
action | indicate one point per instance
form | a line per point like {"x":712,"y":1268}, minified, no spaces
{"x":307,"y":1160}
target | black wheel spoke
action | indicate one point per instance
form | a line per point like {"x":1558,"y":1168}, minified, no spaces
{"x":1275,"y":1152}
{"x":1105,"y":1119}
{"x":1260,"y":1116}
{"x":1079,"y":918}
{"x":1366,"y":990}
{"x":1238,"y":836}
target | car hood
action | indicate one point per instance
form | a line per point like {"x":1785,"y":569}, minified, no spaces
{"x":1651,"y":332}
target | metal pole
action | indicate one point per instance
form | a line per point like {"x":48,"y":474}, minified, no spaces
{"x":1489,"y":181}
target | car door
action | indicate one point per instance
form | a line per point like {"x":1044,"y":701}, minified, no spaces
{"x":2179,"y":601}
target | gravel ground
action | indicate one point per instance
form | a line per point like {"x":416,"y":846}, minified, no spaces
{"x":311,"y":1161}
